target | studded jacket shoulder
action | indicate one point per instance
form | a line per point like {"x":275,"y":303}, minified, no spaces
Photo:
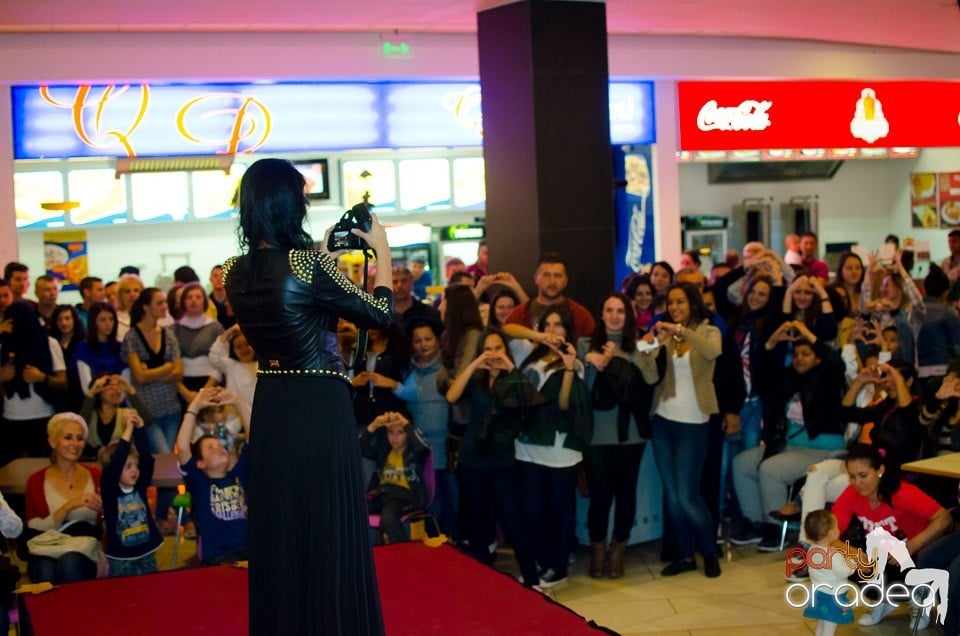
{"x":288,"y":303}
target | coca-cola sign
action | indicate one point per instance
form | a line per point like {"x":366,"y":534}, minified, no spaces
{"x":818,"y":114}
{"x":749,"y":115}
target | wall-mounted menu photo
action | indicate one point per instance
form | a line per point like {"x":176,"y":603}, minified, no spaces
{"x":163,"y":196}
{"x":424,"y":184}
{"x":923,"y":200}
{"x":215,"y":193}
{"x":30,"y":191}
{"x":375,"y":178}
{"x":101,"y":195}
{"x":469,"y":184}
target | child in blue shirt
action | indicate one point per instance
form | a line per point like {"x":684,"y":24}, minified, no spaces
{"x":217,"y":488}
{"x":132,"y":536}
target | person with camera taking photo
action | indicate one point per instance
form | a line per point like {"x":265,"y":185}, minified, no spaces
{"x":311,"y":563}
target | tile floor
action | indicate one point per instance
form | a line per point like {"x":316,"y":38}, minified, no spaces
{"x":746,"y":600}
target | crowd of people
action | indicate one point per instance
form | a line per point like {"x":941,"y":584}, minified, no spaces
{"x":769,"y":388}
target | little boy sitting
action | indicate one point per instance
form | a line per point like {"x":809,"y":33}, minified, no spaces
{"x":219,"y":506}
{"x":132,"y":536}
{"x":398,"y":486}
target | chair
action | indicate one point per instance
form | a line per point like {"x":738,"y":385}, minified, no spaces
{"x":787,"y":520}
{"x":430,"y":479}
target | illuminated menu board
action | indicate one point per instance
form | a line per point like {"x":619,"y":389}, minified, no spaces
{"x":469,"y":184}
{"x":30,"y":190}
{"x":375,"y":177}
{"x":214,"y":192}
{"x":101,"y":196}
{"x":162,"y":196}
{"x":119,"y":120}
{"x":424,"y":184}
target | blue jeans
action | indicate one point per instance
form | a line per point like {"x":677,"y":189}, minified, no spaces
{"x":446,"y":503}
{"x":681,"y":450}
{"x":751,"y":419}
{"x":133,"y":567}
{"x":163,"y":433}
{"x":492,"y":493}
{"x":163,"y":437}
{"x":945,"y":555}
{"x":548,"y":504}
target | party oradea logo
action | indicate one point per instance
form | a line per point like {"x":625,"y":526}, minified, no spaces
{"x":922,"y":586}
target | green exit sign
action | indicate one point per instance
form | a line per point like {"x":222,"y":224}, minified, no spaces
{"x":396,"y":49}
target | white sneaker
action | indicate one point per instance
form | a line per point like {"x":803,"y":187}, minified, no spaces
{"x":919,"y":618}
{"x":876,"y":615}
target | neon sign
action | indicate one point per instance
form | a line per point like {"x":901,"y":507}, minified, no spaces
{"x":116,"y":120}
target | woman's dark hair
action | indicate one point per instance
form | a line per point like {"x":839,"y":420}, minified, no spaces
{"x":482,"y":376}
{"x":838,"y":279}
{"x":173,"y":305}
{"x":812,"y":313}
{"x":694,"y":255}
{"x":503,"y":293}
{"x":461,"y":314}
{"x":566,"y":319}
{"x":908,"y":372}
{"x":698,"y":311}
{"x":665,"y":265}
{"x":92,"y":339}
{"x":628,"y":340}
{"x":635,"y":282}
{"x":183,"y":296}
{"x":273,"y":206}
{"x":760,"y":317}
{"x":139,"y":307}
{"x":936,"y":284}
{"x":875,"y":456}
{"x":79,"y":333}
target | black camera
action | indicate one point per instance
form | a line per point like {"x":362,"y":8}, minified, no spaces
{"x":341,"y":238}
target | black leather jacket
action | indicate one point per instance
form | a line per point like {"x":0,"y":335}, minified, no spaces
{"x":287,"y":304}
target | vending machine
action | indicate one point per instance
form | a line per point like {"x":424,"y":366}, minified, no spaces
{"x":707,"y":235}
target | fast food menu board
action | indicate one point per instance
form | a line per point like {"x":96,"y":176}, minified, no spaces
{"x":65,"y":257}
{"x":935,"y":199}
{"x":30,"y":191}
{"x":948,"y":187}
{"x":923,"y":200}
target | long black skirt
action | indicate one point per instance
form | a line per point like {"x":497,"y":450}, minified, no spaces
{"x":311,"y":563}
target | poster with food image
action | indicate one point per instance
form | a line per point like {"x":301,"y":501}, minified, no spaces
{"x":949,"y":190}
{"x":65,"y":257}
{"x":923,"y":200}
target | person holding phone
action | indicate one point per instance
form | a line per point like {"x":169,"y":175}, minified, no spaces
{"x":311,"y":563}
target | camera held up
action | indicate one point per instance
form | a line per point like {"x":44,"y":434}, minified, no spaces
{"x":341,"y":238}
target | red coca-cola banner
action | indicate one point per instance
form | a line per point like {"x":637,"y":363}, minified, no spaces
{"x":818,"y":114}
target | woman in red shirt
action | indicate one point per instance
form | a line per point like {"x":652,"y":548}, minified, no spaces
{"x":878,"y":499}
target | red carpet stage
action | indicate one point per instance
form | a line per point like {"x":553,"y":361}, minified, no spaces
{"x":424,"y":591}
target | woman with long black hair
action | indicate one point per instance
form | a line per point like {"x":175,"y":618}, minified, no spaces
{"x":311,"y":563}
{"x":621,"y":401}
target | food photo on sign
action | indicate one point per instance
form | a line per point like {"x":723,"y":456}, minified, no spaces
{"x":923,"y":200}
{"x":65,"y":257}
{"x":949,"y":191}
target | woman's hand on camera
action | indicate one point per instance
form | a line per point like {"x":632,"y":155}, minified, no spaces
{"x":376,"y":237}
{"x":326,"y":241}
